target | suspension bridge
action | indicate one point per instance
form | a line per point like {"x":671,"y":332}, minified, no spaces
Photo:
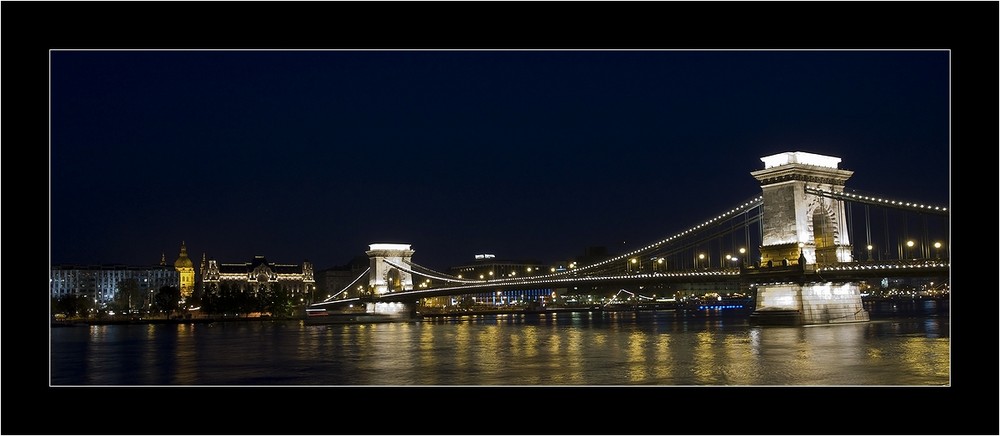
{"x":804,"y":246}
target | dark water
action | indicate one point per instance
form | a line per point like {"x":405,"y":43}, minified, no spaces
{"x":655,"y":348}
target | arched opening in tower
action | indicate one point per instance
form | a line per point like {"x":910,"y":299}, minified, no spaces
{"x":824,"y":236}
{"x":394,"y":281}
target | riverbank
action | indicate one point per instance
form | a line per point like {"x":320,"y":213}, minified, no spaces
{"x":877,"y":307}
{"x":333,"y":318}
{"x":195,"y":320}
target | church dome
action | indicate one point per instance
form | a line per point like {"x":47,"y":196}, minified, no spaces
{"x":183,"y":261}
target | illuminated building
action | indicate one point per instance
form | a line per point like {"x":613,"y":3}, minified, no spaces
{"x":488,"y":267}
{"x":259,"y":274}
{"x":103,"y":282}
{"x":185,"y":267}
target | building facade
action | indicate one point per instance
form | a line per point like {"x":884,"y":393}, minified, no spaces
{"x":259,"y":274}
{"x":488,"y":266}
{"x":104,"y":282}
{"x":332,"y":280}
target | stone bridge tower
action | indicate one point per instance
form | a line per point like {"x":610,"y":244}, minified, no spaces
{"x":797,"y":223}
{"x":804,"y":230}
{"x":382,"y":277}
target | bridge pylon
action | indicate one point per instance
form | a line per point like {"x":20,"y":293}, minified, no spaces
{"x":805,"y":230}
{"x":384,"y":278}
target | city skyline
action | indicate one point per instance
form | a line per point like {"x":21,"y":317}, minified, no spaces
{"x":312,"y":155}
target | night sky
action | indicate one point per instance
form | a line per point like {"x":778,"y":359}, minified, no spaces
{"x":312,"y":155}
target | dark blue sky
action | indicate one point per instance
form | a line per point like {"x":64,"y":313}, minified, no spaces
{"x":525,"y":154}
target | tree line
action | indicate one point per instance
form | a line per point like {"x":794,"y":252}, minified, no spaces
{"x":216,"y":300}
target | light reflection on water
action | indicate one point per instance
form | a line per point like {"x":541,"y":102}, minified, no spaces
{"x":656,"y":348}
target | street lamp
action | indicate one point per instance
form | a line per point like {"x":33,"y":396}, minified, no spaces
{"x":870,"y":252}
{"x":909,"y":245}
{"x":937,"y":246}
{"x":701,"y":256}
{"x":632,"y":266}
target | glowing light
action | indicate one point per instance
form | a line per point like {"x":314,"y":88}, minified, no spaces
{"x":800,"y":157}
{"x":373,"y":247}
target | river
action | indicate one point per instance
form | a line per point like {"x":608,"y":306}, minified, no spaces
{"x":658,"y":348}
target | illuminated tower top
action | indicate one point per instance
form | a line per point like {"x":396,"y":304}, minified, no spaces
{"x":800,"y":157}
{"x":183,"y":261}
{"x":797,"y":223}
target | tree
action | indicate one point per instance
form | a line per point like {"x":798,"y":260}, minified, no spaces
{"x":167,"y":299}
{"x":278,"y":301}
{"x":128,"y":296}
{"x":74,"y":305}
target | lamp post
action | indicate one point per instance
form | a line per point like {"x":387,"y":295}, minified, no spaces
{"x":701,"y":256}
{"x":937,"y":248}
{"x":743,"y":252}
{"x":870,"y":252}
{"x":909,"y":245}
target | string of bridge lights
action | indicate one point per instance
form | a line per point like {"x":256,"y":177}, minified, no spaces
{"x":880,"y":200}
{"x":542,"y":280}
{"x":884,"y":267}
{"x":547,"y":280}
{"x":435,"y":277}
{"x":439,"y":275}
{"x":348,"y":286}
{"x":741,"y":208}
{"x":755,"y":202}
